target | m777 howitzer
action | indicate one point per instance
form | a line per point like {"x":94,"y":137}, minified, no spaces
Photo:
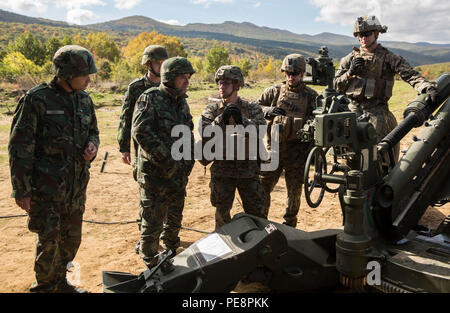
{"x":366,"y":252}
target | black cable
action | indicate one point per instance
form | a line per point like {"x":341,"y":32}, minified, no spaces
{"x":11,"y":216}
{"x":112,"y":223}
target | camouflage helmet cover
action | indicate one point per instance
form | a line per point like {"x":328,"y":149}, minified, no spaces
{"x":175,"y":66}
{"x":154,"y":53}
{"x":367,"y":23}
{"x":72,"y":61}
{"x":294,"y":63}
{"x":232,"y":72}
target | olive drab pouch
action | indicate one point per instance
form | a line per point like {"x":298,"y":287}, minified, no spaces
{"x":288,"y":127}
{"x":295,"y":105}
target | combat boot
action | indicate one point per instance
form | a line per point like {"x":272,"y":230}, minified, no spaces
{"x":41,"y":288}
{"x":170,"y":248}
{"x":65,"y":287}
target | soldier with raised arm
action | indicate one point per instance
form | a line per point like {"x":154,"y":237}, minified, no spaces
{"x":366,"y":76}
{"x":54,"y":138}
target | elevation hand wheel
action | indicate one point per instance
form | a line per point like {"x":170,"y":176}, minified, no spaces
{"x":317,"y":158}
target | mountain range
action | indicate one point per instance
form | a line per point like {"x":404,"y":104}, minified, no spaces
{"x":248,"y":35}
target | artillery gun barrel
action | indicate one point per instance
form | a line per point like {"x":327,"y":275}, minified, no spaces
{"x":416,"y":113}
{"x":411,"y":163}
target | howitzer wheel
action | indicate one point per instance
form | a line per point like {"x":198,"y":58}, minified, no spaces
{"x":317,"y":155}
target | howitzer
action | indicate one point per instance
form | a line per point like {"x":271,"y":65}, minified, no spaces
{"x":376,"y":215}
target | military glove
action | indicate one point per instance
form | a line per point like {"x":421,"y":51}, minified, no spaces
{"x":356,"y":66}
{"x":275,"y":111}
{"x":232,"y":111}
{"x":432,"y":95}
{"x":291,"y":107}
{"x":237,"y":115}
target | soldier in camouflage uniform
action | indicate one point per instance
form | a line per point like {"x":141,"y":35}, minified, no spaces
{"x":288,"y":104}
{"x":152,"y":58}
{"x":229,"y":175}
{"x":162,"y":180}
{"x":54,"y":138}
{"x":366,"y":76}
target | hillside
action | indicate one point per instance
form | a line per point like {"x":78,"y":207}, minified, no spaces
{"x":433,"y":71}
{"x":245,"y":37}
{"x":9,"y":17}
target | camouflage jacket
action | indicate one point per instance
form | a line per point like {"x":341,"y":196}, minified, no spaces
{"x":50,"y":131}
{"x":270,"y":96}
{"x":373,"y":87}
{"x":251,"y":115}
{"x":157,"y":112}
{"x":302,"y":97}
{"x":135,"y":89}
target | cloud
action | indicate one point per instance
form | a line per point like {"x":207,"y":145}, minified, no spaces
{"x":170,"y":22}
{"x":407,"y":20}
{"x":23,"y":6}
{"x":41,"y":6}
{"x":80,"y":16}
{"x":257,"y":5}
{"x":126,"y":4}
{"x":207,"y":3}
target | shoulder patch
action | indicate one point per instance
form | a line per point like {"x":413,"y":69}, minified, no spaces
{"x":137,"y":80}
{"x":37,"y":88}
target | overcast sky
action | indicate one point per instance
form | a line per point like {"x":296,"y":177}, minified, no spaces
{"x":407,"y":20}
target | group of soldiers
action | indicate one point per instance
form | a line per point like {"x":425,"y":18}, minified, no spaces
{"x":54,"y":138}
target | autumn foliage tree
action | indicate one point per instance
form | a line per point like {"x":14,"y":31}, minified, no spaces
{"x":216,"y":57}
{"x":100,"y":44}
{"x":136,"y":46}
{"x":30,"y":47}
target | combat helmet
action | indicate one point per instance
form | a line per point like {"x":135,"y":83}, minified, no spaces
{"x":232,"y":72}
{"x":367,"y":23}
{"x":294,"y":63}
{"x":175,"y":66}
{"x":72,"y":61}
{"x":154,"y":53}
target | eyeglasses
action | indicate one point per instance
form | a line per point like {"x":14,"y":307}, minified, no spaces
{"x":292,"y":73}
{"x":365,"y":34}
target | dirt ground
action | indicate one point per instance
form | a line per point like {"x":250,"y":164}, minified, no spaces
{"x":113,"y":197}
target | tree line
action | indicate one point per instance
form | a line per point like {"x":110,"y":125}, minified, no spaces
{"x":29,"y":58}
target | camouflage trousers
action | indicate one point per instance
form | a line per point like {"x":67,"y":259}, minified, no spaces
{"x":381,"y":118}
{"x":156,"y":208}
{"x":292,"y":161}
{"x":58,"y":226}
{"x":223,"y":190}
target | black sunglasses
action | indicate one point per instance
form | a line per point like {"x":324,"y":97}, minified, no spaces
{"x":366,"y":34}
{"x":292,"y":73}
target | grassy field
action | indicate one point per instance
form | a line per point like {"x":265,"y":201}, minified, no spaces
{"x":109,"y":104}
